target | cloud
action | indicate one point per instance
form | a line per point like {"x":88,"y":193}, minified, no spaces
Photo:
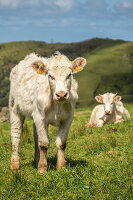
{"x":67,"y":5}
{"x":10,"y":3}
{"x":57,"y":18}
{"x":126,"y":5}
{"x":18,"y":3}
{"x":124,"y":8}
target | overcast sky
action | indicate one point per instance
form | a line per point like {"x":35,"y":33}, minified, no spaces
{"x":65,"y":20}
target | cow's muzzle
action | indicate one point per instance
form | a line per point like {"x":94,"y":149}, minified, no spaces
{"x":107,"y":112}
{"x":61,"y":96}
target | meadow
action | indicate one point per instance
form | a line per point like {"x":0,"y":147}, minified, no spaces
{"x":99,"y":163}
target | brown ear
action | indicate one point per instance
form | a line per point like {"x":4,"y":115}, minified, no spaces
{"x":99,"y":99}
{"x":117,"y":98}
{"x":40,"y":67}
{"x":78,"y":64}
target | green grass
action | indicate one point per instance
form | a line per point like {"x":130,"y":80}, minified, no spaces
{"x":91,"y":173}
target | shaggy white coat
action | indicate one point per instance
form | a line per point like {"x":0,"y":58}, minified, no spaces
{"x":112,"y":104}
{"x":34,"y":95}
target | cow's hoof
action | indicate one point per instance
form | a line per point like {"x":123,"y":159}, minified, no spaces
{"x":87,"y":125}
{"x":61,"y":164}
{"x":15,"y":162}
{"x":42,"y":167}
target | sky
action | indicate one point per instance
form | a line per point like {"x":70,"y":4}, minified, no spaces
{"x":65,"y":20}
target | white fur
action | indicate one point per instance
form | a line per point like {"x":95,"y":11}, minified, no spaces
{"x":118,"y":113}
{"x":34,"y":95}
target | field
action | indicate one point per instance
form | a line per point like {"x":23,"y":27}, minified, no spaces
{"x":99,"y":163}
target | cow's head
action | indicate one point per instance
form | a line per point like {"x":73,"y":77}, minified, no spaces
{"x":60,"y":72}
{"x":108,"y":100}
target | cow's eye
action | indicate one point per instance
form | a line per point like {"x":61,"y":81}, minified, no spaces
{"x":112,"y":103}
{"x":51,"y":77}
{"x":69,"y":76}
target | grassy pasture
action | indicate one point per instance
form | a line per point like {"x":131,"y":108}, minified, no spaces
{"x":99,"y":163}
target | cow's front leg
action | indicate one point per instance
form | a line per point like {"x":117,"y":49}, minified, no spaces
{"x":61,"y":143}
{"x":100,"y":123}
{"x":43,"y":143}
{"x":16,"y":131}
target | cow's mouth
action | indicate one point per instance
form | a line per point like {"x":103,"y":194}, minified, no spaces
{"x":61,"y":100}
{"x":107,"y":113}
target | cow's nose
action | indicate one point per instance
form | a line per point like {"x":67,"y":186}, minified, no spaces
{"x":61,"y":95}
{"x":107,"y":112}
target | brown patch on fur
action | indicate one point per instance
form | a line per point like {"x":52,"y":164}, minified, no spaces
{"x":61,"y":164}
{"x":15,"y":162}
{"x":88,"y":125}
{"x":94,"y":125}
{"x":99,"y":98}
{"x":42,"y":164}
{"x":40,"y":67}
{"x":78,"y":64}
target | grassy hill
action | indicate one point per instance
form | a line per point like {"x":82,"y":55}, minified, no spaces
{"x":109,"y":69}
{"x":109,"y":65}
{"x":99,"y":163}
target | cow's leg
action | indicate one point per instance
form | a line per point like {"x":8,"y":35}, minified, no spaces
{"x":37,"y":151}
{"x":61,"y":143}
{"x":43,"y":142}
{"x":16,"y":132}
{"x":100,"y":123}
{"x":118,"y":121}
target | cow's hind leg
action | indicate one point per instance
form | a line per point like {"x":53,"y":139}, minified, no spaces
{"x":16,"y":132}
{"x":37,"y":151}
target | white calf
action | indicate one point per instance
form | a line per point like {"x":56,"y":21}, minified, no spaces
{"x":111,"y":111}
{"x":44,"y":89}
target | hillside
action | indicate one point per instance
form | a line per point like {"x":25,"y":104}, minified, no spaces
{"x":109,"y":69}
{"x":109,"y":65}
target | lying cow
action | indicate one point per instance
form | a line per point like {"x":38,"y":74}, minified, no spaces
{"x":111,"y":110}
{"x":44,"y":89}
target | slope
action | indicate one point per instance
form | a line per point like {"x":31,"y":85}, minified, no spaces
{"x":109,"y":69}
{"x":103,"y":57}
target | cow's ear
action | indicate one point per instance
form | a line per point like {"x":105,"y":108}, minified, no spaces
{"x":99,"y":99}
{"x":78,"y":64}
{"x":40,"y":67}
{"x":117,"y":98}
